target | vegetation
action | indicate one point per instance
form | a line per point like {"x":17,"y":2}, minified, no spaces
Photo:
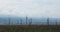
{"x":29,"y":28}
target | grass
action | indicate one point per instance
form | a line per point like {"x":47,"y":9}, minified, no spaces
{"x":29,"y":29}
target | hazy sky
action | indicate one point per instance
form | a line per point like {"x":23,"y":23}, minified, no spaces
{"x":31,"y":8}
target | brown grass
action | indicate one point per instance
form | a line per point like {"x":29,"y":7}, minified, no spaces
{"x":31,"y":26}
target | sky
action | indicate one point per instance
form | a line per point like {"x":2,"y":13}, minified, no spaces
{"x":30,"y":8}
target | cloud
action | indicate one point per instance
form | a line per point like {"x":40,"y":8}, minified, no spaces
{"x":32,"y":8}
{"x":47,"y":8}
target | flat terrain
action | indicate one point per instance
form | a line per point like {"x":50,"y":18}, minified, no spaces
{"x":29,"y":28}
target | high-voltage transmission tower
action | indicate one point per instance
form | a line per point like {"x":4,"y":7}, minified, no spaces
{"x":48,"y":21}
{"x":26,"y":20}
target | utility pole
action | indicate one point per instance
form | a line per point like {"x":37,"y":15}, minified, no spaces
{"x":12,"y":22}
{"x":4,"y":21}
{"x":56,"y":22}
{"x":21,"y":21}
{"x":17,"y":22}
{"x":9,"y":21}
{"x":31,"y":20}
{"x":48,"y":21}
{"x":26,"y":20}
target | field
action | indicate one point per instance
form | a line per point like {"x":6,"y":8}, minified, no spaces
{"x":30,"y":28}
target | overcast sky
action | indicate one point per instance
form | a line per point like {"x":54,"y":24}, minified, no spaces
{"x":30,"y":8}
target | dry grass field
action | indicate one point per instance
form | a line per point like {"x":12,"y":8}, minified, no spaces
{"x":30,"y":28}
